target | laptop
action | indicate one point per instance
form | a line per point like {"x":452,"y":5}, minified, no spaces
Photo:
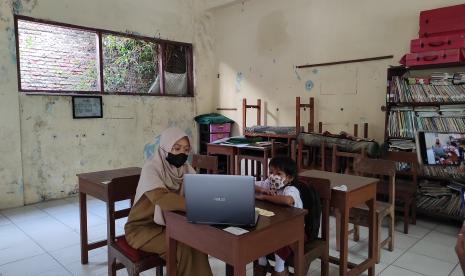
{"x":220,"y":199}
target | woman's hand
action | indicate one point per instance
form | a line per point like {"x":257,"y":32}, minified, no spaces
{"x":261,"y":196}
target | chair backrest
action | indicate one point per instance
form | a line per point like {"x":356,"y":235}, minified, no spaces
{"x":120,"y":188}
{"x":409,"y":158}
{"x":347,"y":156}
{"x":299,"y":158}
{"x":379,"y":168}
{"x":323,"y":187}
{"x":206,"y":162}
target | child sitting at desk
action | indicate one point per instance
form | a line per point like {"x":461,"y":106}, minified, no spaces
{"x":279,"y":188}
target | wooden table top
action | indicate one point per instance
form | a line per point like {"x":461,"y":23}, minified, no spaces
{"x":101,"y":177}
{"x":353,"y":182}
{"x":281,"y":214}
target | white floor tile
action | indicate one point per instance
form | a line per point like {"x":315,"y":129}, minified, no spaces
{"x":29,"y":267}
{"x":424,"y":265}
{"x":448,"y":229}
{"x":457,"y":271}
{"x":55,"y":240}
{"x":97,"y":232}
{"x":4,"y":220}
{"x":72,"y":254}
{"x":97,"y":265}
{"x":440,"y":238}
{"x":60,"y":271}
{"x":19,"y":251}
{"x":403,"y":241}
{"x":387,"y":257}
{"x":24,"y":213}
{"x":425,"y":223}
{"x":415,"y":231}
{"x":10,"y":235}
{"x":397,"y":271}
{"x":72,"y":219}
{"x":46,"y":224}
{"x":435,"y":250}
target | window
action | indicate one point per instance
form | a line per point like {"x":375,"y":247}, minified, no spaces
{"x":62,"y":58}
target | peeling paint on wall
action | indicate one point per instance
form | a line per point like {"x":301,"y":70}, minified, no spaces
{"x":22,"y":6}
{"x":296,"y":73}
{"x":149,"y":149}
{"x":309,"y":85}
{"x":238,"y":83}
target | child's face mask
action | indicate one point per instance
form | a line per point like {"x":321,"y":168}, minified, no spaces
{"x":277,"y":182}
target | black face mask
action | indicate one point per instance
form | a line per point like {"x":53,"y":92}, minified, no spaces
{"x":176,"y":160}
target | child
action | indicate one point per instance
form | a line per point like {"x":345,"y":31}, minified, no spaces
{"x":279,"y":188}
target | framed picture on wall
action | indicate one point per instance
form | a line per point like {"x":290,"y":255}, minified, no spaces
{"x":87,"y":107}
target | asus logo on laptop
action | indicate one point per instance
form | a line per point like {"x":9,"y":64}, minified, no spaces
{"x":221,"y":199}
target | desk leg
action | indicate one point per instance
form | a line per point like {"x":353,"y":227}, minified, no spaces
{"x":83,"y":228}
{"x":299,"y":257}
{"x":229,"y":270}
{"x":372,"y":236}
{"x":344,"y":239}
{"x":238,"y":166}
{"x":170,"y":255}
{"x":239,"y":270}
{"x":233,"y":163}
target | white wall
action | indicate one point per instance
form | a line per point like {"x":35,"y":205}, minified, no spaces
{"x":258,"y":43}
{"x":42,"y":147}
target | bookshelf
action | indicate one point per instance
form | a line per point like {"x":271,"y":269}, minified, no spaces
{"x":426,"y":98}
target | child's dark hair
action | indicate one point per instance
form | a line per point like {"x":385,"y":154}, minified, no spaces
{"x":287,"y":165}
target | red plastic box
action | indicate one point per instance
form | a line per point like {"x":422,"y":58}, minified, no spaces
{"x":447,"y":20}
{"x":437,"y":43}
{"x":435,"y":57}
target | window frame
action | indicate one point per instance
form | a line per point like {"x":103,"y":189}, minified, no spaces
{"x":99,"y":61}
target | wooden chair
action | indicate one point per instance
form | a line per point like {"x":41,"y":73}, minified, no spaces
{"x":318,"y":248}
{"x":134,"y":260}
{"x":205,"y":162}
{"x":382,"y":169}
{"x":349,"y":159}
{"x":406,"y":185}
{"x":298,"y":153}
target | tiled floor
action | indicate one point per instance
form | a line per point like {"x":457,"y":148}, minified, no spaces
{"x":43,"y":239}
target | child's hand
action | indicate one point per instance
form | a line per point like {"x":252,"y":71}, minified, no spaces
{"x":271,"y":192}
{"x":260,"y":196}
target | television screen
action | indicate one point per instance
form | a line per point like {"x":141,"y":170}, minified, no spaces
{"x":440,"y":148}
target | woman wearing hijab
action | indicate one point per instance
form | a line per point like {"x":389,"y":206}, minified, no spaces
{"x":160,"y":188}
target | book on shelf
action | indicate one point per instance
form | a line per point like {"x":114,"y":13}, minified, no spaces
{"x":436,"y":198}
{"x":402,"y":144}
{"x":438,"y":90}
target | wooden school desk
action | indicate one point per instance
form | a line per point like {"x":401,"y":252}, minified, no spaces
{"x":95,"y":184}
{"x":286,"y":227}
{"x":359,"y":190}
{"x":229,"y":150}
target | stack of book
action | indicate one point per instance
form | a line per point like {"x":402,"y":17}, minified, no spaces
{"x":441,"y":78}
{"x":402,"y":144}
{"x":401,"y":124}
{"x":443,"y":171}
{"x":439,"y":90}
{"x":441,"y":124}
{"x":459,"y":78}
{"x":435,"y":198}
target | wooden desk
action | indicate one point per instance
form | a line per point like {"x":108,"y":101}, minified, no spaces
{"x":359,"y":190}
{"x":229,"y":150}
{"x":286,"y":227}
{"x":95,"y":184}
{"x":258,"y":154}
